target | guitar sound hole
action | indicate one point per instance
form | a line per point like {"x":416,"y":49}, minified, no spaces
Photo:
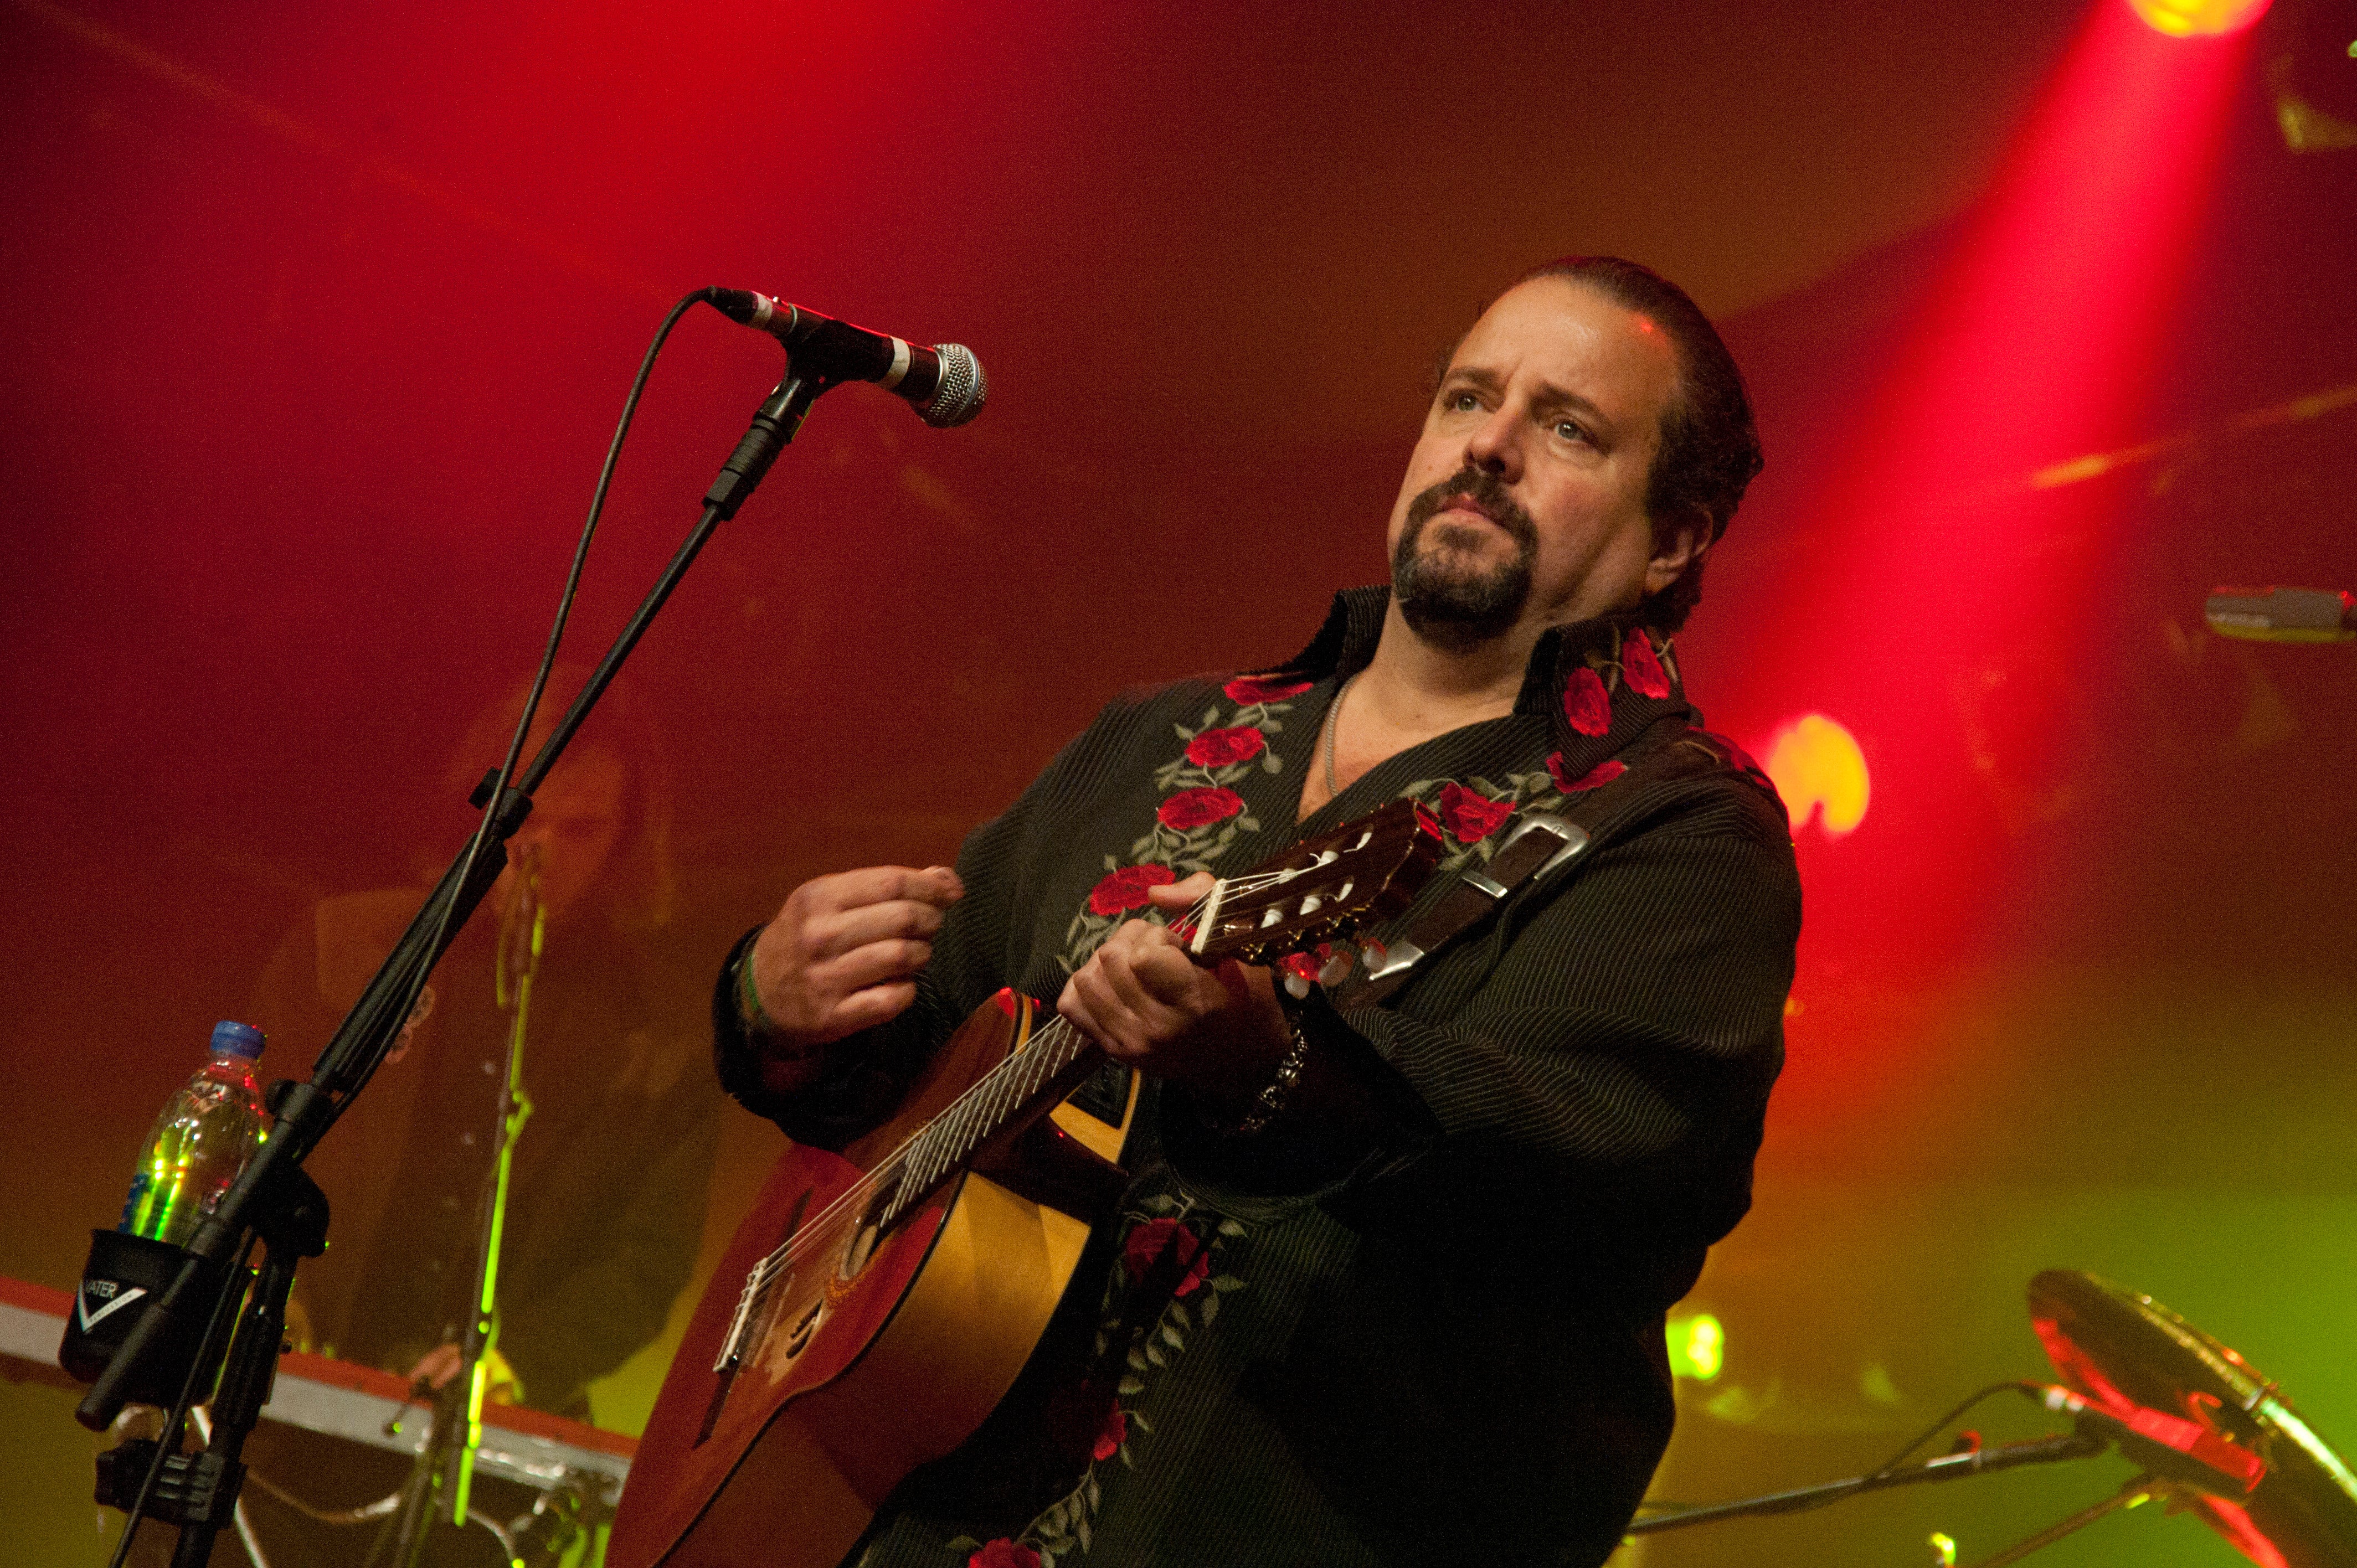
{"x":798,"y":1338}
{"x":864,"y":1241}
{"x":862,"y":1248}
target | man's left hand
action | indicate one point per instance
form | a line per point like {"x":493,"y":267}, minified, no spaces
{"x":1150,"y":1004}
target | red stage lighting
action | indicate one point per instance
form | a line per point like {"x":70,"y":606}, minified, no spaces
{"x":2198,"y":19}
{"x":1820,"y":771}
{"x":1951,"y":633}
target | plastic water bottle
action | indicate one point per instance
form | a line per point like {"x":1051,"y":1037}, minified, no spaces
{"x":208,"y":1130}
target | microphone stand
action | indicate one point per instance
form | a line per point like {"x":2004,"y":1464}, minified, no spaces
{"x":2080,"y":1444}
{"x":273,"y":1197}
{"x":1947,"y":1467}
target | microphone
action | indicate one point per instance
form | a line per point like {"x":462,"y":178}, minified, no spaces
{"x":944,"y":382}
{"x":2168,"y":1447}
{"x":2282,"y":614}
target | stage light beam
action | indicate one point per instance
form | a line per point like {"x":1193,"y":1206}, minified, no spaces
{"x":2198,"y":19}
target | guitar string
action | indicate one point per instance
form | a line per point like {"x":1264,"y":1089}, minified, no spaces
{"x":1018,"y":1079}
{"x":979,"y":1105}
{"x":983,"y":1104}
{"x":922,"y":1150}
{"x":916,"y":1162}
{"x":963,"y":1115}
{"x":922,"y":1153}
{"x":902,"y":1162}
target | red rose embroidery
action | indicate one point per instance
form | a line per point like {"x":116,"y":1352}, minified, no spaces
{"x":1604,"y":772}
{"x":1219,"y":747}
{"x":1143,"y":1250}
{"x":1111,"y":1435}
{"x":1194,"y":807}
{"x":1264,"y":689}
{"x":1585,"y":703}
{"x":1642,"y":670}
{"x":1125,"y":889}
{"x":1469,"y":815}
{"x":1004,"y":1553}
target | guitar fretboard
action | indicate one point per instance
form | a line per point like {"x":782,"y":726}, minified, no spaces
{"x":1324,"y":888}
{"x":1002,"y":1096}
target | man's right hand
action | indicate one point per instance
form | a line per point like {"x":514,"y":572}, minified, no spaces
{"x":841,"y":956}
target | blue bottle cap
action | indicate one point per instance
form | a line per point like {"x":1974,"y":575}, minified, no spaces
{"x":237,"y":1039}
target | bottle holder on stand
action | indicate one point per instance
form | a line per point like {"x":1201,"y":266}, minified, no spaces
{"x":124,"y":1273}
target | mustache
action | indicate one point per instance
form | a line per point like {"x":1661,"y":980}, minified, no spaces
{"x":1487,"y":491}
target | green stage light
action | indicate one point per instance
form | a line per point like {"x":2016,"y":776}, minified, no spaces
{"x":1697,"y":1346}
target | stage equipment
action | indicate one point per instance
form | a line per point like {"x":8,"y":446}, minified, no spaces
{"x":2207,"y":1432}
{"x":564,"y":1467}
{"x":446,"y":1463}
{"x":2123,"y":1350}
{"x":274,"y":1200}
{"x":944,"y":382}
{"x":2282,"y":614}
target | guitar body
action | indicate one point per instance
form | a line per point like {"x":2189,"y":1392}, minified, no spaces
{"x":877,"y":1304}
{"x":871,"y":1356}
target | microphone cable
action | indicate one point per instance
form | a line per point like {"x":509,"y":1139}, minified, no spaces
{"x":1937,"y":1427}
{"x":412,"y":985}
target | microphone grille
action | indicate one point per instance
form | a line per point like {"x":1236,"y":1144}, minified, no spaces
{"x":963,"y":392}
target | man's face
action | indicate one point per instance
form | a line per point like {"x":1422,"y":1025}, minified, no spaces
{"x":1524,"y":503}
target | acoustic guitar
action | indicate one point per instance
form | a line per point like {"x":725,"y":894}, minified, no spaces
{"x":878,"y":1304}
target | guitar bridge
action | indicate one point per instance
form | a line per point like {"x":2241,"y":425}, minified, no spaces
{"x":765,"y":1278}
{"x":752,"y":1310}
{"x":748,"y":1301}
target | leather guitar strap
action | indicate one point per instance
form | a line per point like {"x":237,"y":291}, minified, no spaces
{"x":1535,"y":846}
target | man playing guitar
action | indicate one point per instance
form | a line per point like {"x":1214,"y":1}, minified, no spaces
{"x":1388,"y":1280}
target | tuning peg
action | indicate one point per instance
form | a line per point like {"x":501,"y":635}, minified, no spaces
{"x":1337,"y":968}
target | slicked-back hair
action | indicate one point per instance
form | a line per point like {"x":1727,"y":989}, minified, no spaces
{"x":1710,"y":448}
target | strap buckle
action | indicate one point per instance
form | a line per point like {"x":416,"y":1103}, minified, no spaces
{"x":1570,"y":837}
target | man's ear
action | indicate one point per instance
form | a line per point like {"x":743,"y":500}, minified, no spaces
{"x":1687,"y":545}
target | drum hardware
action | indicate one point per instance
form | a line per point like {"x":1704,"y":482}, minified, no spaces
{"x":2209,"y":1435}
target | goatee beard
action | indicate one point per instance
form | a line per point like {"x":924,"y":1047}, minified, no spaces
{"x":1453,"y":607}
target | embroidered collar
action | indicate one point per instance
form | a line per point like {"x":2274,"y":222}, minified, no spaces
{"x":1600,"y":683}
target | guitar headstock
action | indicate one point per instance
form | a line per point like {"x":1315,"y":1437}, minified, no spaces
{"x":1322,"y":889}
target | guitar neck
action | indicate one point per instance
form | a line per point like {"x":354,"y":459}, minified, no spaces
{"x":999,"y":1108}
{"x":1323,"y":888}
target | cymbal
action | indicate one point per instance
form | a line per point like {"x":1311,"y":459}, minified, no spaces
{"x":2111,"y":1344}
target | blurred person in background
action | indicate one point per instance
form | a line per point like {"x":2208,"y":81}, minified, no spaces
{"x":611,"y":1166}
